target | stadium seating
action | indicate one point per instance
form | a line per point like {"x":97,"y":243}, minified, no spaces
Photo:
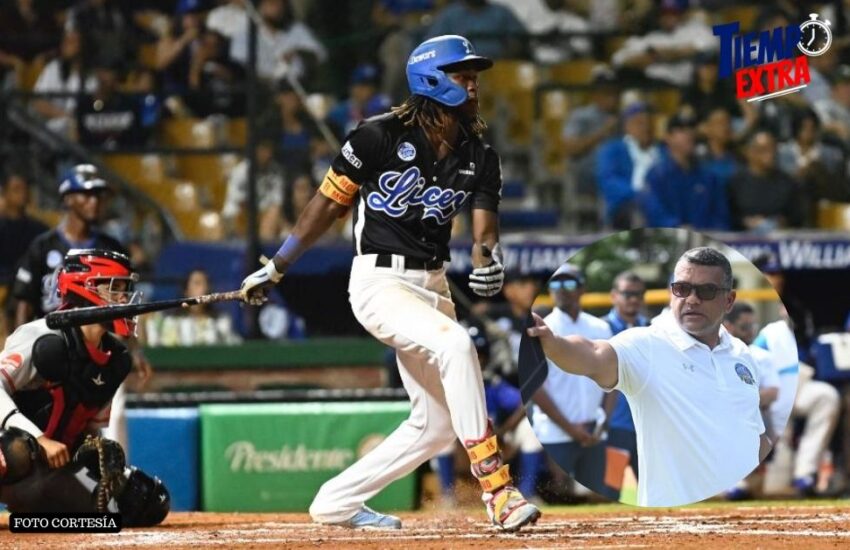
{"x":576,"y":71}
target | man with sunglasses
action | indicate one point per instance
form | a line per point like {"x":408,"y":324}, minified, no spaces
{"x":627,"y":294}
{"x":692,"y":388}
{"x":567,"y":407}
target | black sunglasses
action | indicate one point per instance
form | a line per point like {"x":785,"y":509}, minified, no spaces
{"x":631,"y":293}
{"x":706,"y":291}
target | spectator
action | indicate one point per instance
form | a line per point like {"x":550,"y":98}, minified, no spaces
{"x":679,"y":192}
{"x":400,"y":23}
{"x":285,"y":47}
{"x":622,"y":164}
{"x":270,"y":184}
{"x":199,"y":325}
{"x":834,"y":112}
{"x":26,"y":35}
{"x":228,"y":19}
{"x":178,"y":50}
{"x":817,"y":166}
{"x":363,"y":101}
{"x":109,"y":119}
{"x":108,"y":32}
{"x":298,"y":136}
{"x":296,"y":196}
{"x":706,"y":92}
{"x":761,"y":197}
{"x":551,"y":23}
{"x":717,"y":152}
{"x":590,"y":125}
{"x":820,"y":68}
{"x":63,"y":75}
{"x":17,"y":231}
{"x":627,"y":294}
{"x":567,"y":407}
{"x":214,"y":79}
{"x":494,"y":29}
{"x":667,"y":54}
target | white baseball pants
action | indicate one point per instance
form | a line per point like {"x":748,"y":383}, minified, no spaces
{"x":412,"y":311}
{"x":819,"y":403}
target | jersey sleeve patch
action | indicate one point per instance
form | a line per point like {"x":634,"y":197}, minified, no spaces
{"x":339,"y":188}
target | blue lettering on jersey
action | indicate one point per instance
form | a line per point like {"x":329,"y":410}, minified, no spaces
{"x":400,"y":190}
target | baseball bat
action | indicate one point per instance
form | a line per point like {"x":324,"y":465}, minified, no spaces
{"x":100,"y":314}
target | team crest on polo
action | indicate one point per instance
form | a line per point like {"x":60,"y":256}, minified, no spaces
{"x":744,"y":374}
{"x":400,"y":190}
{"x":406,"y":151}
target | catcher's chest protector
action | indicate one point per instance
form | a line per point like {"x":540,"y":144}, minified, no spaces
{"x":62,"y":409}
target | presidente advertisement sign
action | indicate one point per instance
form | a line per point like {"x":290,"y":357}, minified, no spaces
{"x":273,"y":457}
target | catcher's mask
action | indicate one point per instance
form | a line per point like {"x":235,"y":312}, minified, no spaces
{"x":99,"y":278}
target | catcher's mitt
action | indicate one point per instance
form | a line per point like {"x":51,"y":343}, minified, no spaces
{"x":106,"y":460}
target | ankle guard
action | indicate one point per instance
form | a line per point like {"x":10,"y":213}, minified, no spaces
{"x":486,"y":461}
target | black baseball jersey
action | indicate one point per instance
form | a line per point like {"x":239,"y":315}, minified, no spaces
{"x":407,"y":198}
{"x":35,"y":279}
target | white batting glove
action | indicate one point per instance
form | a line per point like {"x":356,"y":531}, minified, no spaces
{"x":254,"y":286}
{"x":487,"y":281}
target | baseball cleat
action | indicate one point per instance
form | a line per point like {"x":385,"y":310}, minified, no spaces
{"x":508,"y":509}
{"x":367,"y":518}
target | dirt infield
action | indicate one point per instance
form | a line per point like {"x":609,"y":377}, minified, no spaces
{"x":755,"y":525}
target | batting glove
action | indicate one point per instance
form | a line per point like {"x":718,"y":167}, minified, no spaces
{"x":254,"y":286}
{"x":487,"y":281}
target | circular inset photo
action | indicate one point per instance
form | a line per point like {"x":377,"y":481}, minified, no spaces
{"x":659,"y":369}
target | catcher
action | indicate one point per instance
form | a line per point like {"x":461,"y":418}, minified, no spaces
{"x":57,"y":387}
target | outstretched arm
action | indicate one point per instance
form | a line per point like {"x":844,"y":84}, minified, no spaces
{"x":595,"y":359}
{"x":317,"y":217}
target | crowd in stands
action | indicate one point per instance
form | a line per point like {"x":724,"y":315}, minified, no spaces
{"x":112,"y":73}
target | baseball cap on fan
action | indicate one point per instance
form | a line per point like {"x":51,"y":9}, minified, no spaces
{"x":568,"y":271}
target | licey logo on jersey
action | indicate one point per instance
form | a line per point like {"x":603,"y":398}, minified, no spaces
{"x":406,"y":151}
{"x":766,"y":64}
{"x":744,"y":374}
{"x":400,"y":190}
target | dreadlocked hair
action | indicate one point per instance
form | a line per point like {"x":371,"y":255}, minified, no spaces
{"x":427,"y":113}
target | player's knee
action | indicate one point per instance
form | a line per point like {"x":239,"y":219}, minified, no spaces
{"x":457,"y":345}
{"x":832,"y":398}
{"x":144,"y":501}
{"x":19,"y":452}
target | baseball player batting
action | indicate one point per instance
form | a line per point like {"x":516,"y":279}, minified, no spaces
{"x":406,"y":174}
{"x":57,"y":388}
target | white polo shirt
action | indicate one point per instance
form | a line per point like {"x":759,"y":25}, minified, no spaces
{"x":577,"y":397}
{"x":696,"y":411}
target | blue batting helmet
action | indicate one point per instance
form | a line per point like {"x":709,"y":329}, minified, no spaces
{"x":430,"y":61}
{"x":81,"y":178}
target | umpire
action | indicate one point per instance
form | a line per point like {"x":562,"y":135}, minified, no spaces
{"x":692,"y":388}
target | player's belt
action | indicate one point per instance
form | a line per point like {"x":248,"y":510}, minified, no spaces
{"x":386,"y":260}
